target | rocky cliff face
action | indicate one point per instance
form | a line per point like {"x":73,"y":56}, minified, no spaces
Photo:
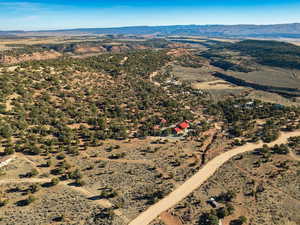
{"x":9,"y":59}
{"x":86,"y":49}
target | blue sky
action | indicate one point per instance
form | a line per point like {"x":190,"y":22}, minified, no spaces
{"x":54,"y":14}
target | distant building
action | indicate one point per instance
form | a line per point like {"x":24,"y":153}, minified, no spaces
{"x":184,"y":125}
{"x":212,"y":202}
{"x":181,"y":127}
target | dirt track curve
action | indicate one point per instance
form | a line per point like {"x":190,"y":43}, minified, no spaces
{"x":199,"y":178}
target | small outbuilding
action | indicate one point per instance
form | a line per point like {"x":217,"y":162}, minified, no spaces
{"x":212,"y":202}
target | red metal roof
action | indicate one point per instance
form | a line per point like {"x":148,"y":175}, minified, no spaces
{"x":184,"y":125}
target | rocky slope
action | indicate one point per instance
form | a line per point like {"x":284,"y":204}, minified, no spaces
{"x":11,"y":59}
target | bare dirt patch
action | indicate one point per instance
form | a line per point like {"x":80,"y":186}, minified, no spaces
{"x":169,"y":219}
{"x":193,"y":74}
{"x":215,"y":85}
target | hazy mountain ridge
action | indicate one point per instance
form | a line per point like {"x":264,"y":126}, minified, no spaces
{"x":277,"y":30}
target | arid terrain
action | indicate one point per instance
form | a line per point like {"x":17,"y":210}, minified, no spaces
{"x":116,"y":130}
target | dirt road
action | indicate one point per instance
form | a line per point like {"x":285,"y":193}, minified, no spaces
{"x":199,"y":178}
{"x":25,"y":180}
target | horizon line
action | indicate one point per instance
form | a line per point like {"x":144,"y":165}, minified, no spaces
{"x":129,"y":26}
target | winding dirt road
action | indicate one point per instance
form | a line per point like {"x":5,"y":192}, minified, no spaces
{"x":199,"y":178}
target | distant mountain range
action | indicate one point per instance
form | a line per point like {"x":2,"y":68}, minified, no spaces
{"x":261,"y":31}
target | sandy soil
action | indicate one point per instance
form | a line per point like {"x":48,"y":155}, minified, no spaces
{"x":214,"y":85}
{"x":88,"y":193}
{"x":169,"y":219}
{"x":10,"y":98}
{"x":199,"y":178}
{"x":25,"y":180}
{"x":152,"y":76}
{"x":294,"y":156}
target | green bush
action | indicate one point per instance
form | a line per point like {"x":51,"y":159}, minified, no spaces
{"x":54,"y":181}
{"x":208,"y":219}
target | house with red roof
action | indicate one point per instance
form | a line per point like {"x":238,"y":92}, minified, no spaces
{"x":181,"y":127}
{"x":184,"y":125}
